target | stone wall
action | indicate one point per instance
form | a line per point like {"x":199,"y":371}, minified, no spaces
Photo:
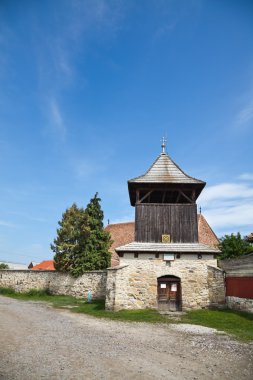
{"x":57,"y":283}
{"x":133,"y":285}
{"x":242,"y":304}
{"x":216,"y":287}
{"x":239,"y":282}
{"x":240,"y":266}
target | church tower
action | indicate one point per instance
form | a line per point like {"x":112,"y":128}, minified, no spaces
{"x":166,"y":266}
{"x":165,"y":203}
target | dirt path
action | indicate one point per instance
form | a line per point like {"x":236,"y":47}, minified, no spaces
{"x":38,"y":342}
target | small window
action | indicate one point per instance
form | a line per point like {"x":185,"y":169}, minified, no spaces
{"x":199,"y":256}
{"x":136,"y":255}
{"x":157,"y":255}
{"x":178,"y":255}
{"x":121,"y":254}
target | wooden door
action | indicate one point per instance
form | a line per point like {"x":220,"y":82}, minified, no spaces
{"x":168,"y":293}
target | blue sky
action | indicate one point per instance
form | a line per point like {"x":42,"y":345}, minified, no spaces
{"x":87,"y":90}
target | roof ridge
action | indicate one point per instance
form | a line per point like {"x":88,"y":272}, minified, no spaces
{"x":115,"y":224}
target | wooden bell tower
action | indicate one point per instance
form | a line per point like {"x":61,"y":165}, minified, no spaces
{"x":165,"y":203}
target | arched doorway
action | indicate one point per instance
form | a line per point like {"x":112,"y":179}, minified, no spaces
{"x":169,"y":293}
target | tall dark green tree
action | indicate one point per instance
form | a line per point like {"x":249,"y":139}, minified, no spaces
{"x":232,"y":246}
{"x":97,"y":255}
{"x":82,"y":244}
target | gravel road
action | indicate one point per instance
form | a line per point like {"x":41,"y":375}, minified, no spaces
{"x":39,"y":342}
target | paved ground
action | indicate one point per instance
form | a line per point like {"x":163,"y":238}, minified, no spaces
{"x":38,"y":342}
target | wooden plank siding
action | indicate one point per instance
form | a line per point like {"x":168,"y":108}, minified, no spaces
{"x":153,"y":220}
{"x":241,"y":287}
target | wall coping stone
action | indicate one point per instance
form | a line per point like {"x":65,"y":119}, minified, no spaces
{"x":118,"y":267}
{"x":49,"y":271}
{"x":216,"y":268}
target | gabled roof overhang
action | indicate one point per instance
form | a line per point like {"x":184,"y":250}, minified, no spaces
{"x":167,"y":248}
{"x":164,"y":174}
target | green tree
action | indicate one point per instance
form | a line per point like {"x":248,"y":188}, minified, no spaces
{"x":99,"y":241}
{"x":4,"y":266}
{"x":82,"y":244}
{"x":233,"y":246}
{"x":71,"y":238}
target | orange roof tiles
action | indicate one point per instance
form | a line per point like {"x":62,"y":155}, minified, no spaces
{"x":206,"y":234}
{"x":121,"y":234}
{"x":44,"y":265}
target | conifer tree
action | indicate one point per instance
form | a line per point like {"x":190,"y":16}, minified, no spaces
{"x":82,"y":244}
{"x":71,"y":238}
{"x":99,"y":241}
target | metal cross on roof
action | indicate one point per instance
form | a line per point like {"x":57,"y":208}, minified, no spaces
{"x":163,"y":141}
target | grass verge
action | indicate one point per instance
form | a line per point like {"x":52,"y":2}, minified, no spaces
{"x":235,"y":323}
{"x":96,"y":308}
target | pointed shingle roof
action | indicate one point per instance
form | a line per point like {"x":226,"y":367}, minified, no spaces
{"x":165,"y":170}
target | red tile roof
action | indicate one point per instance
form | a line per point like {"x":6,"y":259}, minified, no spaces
{"x":44,"y":265}
{"x":206,"y":234}
{"x":123,"y":233}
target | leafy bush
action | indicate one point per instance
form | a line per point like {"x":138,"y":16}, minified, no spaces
{"x":4,"y":266}
{"x":233,"y":246}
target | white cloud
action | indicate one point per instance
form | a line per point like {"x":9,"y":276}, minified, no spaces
{"x":246,"y":177}
{"x":237,"y":215}
{"x":95,"y":15}
{"x":226,"y":191}
{"x":7,"y":224}
{"x":56,"y":117}
{"x":57,"y":48}
{"x":82,"y":21}
{"x":228,"y":207}
{"x":245,"y":116}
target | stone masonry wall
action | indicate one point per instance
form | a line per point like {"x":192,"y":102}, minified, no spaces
{"x":133,"y":285}
{"x":216,"y":286}
{"x":57,"y":283}
{"x":243,"y":304}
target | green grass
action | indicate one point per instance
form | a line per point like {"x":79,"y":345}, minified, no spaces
{"x":97,"y":309}
{"x":43,"y":295}
{"x":238,"y":324}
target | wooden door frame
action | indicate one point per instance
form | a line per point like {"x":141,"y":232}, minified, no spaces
{"x":171,"y":279}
